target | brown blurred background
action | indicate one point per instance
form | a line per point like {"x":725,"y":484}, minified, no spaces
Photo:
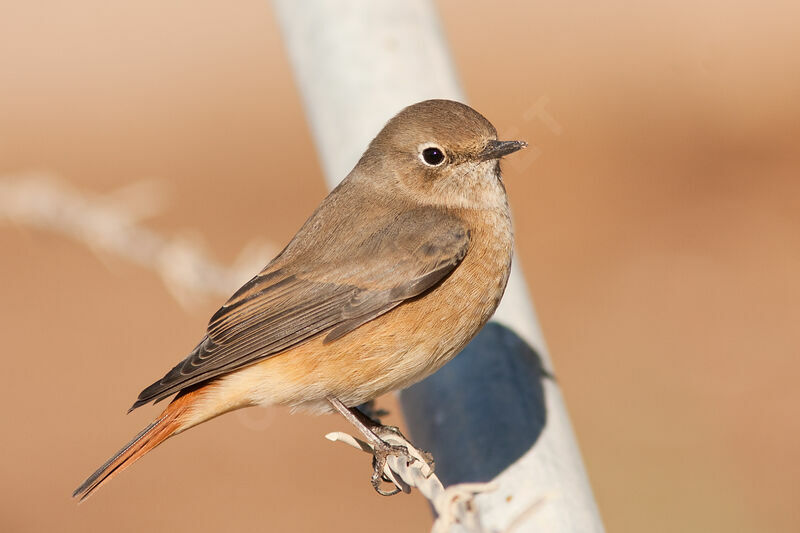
{"x":657,"y":222}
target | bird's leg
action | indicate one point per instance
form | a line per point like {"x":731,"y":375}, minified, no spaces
{"x":382,"y":430}
{"x":368,"y":418}
{"x":381,"y":450}
{"x":368,"y":415}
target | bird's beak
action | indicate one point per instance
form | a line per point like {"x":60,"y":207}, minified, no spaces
{"x":498,"y":149}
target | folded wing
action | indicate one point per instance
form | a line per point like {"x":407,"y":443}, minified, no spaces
{"x":299,"y":300}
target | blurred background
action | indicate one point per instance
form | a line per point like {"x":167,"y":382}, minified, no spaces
{"x":152,"y":149}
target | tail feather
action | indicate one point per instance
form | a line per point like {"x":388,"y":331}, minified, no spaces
{"x":161,"y":429}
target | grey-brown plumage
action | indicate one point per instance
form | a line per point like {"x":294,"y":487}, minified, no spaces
{"x":392,"y":275}
{"x":300,"y":295}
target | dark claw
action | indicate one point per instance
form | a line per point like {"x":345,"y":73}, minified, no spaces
{"x":382,"y":431}
{"x":381,"y":450}
{"x":380,"y":453}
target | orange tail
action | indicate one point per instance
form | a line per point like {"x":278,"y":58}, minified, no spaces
{"x":160,"y":430}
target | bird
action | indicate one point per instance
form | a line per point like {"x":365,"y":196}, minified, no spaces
{"x":391,"y":276}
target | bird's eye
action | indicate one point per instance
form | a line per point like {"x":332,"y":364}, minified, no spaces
{"x":433,"y":156}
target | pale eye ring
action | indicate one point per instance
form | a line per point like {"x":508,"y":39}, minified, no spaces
{"x":432,"y":155}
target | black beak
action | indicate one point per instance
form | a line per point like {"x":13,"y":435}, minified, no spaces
{"x":498,"y":149}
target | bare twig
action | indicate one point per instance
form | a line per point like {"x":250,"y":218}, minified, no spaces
{"x":452,"y":504}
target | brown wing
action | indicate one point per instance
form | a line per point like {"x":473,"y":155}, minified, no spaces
{"x":281,"y":308}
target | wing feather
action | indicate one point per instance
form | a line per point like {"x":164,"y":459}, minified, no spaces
{"x":285,"y":306}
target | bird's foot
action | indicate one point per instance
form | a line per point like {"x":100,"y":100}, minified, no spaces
{"x":384,"y":432}
{"x":381,"y":451}
{"x":379,"y":442}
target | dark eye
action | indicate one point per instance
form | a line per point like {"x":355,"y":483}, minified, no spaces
{"x":433,"y":156}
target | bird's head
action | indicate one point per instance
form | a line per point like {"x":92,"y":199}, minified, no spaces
{"x":440,"y":152}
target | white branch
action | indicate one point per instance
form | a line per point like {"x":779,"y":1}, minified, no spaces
{"x":453,"y":505}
